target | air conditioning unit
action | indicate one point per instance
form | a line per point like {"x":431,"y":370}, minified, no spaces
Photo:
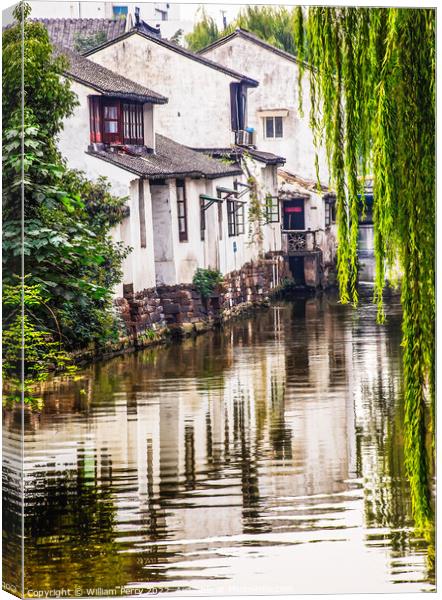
{"x":245,"y":137}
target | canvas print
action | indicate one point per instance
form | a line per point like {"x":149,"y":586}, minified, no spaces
{"x":218,"y":299}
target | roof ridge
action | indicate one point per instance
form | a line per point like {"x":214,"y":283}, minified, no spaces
{"x":245,"y":33}
{"x":176,"y":48}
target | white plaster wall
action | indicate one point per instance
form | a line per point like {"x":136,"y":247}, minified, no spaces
{"x":165,"y":266}
{"x":278,"y":88}
{"x":138,"y":267}
{"x":189,"y":255}
{"x":267,"y":178}
{"x":198,"y":111}
{"x":176,"y":262}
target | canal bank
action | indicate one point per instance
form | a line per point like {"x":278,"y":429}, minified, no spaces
{"x":167,"y":313}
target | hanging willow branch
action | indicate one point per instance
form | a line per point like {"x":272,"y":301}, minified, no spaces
{"x":373,"y":100}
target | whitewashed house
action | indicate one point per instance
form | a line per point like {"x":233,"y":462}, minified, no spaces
{"x":308,"y":221}
{"x":207,"y":111}
{"x":169,"y":186}
{"x":307,"y":216}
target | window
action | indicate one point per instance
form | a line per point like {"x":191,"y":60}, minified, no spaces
{"x":119,"y":11}
{"x":330,"y":212}
{"x":161,"y":14}
{"x":95,"y":120}
{"x":235,"y":218}
{"x":238,"y":106}
{"x":115,"y":122}
{"x":220,"y":215}
{"x":202,"y":219}
{"x":272,"y":209}
{"x":240,"y":218}
{"x":294,"y":215}
{"x":181,"y":209}
{"x":273,"y":127}
{"x":231,"y":221}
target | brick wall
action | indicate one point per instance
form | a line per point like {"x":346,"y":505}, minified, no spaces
{"x":181,"y":309}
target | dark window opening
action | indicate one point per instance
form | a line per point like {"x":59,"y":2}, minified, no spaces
{"x":330,"y":213}
{"x":238,"y":106}
{"x":202,"y":220}
{"x":294,"y":215}
{"x":273,"y":127}
{"x":116,"y":122}
{"x":270,"y":129}
{"x":182,"y":210}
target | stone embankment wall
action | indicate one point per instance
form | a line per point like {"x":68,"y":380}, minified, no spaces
{"x":155,"y":313}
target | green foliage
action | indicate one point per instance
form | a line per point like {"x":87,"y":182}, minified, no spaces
{"x":206,"y":280}
{"x":27,"y":339}
{"x":83,"y":43}
{"x":204,"y":33}
{"x":275,"y":25}
{"x":374,"y":81}
{"x":177,"y":37}
{"x":43,"y":89}
{"x":57,"y":246}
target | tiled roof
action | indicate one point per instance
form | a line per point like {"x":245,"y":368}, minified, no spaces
{"x":65,"y":31}
{"x":180,"y":50}
{"x":306,"y":184}
{"x":243,"y":33}
{"x":105,"y":81}
{"x":170,"y":160}
{"x":266,"y":157}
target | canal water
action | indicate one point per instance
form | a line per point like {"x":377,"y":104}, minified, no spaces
{"x":263,"y":458}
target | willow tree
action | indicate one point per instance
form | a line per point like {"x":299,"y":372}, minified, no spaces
{"x":373,"y":103}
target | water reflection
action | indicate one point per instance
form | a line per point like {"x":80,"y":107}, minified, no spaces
{"x":212,"y":466}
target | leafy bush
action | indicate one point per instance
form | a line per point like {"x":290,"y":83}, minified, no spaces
{"x":83,"y":43}
{"x":205,"y":281}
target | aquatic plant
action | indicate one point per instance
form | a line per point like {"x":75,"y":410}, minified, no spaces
{"x":373,"y":100}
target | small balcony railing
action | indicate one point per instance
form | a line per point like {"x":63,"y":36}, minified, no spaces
{"x":302,"y":241}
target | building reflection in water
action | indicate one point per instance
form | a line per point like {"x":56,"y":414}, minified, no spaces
{"x":282,"y":429}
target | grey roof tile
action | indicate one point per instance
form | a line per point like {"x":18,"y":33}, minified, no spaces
{"x":170,"y":160}
{"x":65,"y":31}
{"x":105,"y":81}
{"x":266,"y":157}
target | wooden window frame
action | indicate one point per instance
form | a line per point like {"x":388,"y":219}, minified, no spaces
{"x":273,"y":213}
{"x":236,"y":218}
{"x":330,"y":213}
{"x":231,"y":220}
{"x":183,"y":233}
{"x":240,"y":214}
{"x":129,"y":119}
{"x":202,"y":220}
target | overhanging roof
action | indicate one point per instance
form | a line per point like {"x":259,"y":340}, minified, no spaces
{"x":105,"y":81}
{"x":169,"y":160}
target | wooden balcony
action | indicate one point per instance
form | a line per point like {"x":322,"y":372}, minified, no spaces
{"x":301,"y":242}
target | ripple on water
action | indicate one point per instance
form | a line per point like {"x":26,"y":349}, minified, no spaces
{"x":239,"y":462}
